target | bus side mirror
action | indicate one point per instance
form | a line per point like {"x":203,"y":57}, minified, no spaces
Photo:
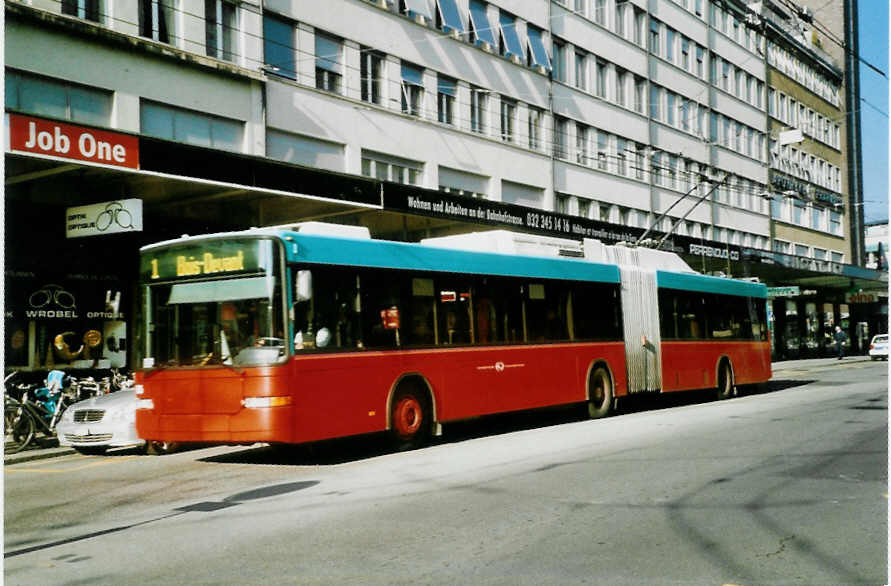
{"x":303,"y":286}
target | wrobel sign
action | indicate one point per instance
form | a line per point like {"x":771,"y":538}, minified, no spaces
{"x":57,"y":139}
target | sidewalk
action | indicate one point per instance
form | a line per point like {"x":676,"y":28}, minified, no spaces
{"x":51,"y":449}
{"x":814,"y":362}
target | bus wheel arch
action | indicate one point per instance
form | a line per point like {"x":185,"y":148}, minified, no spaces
{"x":411,"y":411}
{"x":600,"y":390}
{"x":725,"y":380}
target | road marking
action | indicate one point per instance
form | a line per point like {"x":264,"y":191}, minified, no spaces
{"x":73,"y":469}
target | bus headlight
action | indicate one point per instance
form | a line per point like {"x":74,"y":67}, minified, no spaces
{"x":255,"y":402}
{"x":145,"y":404}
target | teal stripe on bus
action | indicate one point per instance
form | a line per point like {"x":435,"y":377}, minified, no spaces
{"x":401,"y":255}
{"x":707,"y":284}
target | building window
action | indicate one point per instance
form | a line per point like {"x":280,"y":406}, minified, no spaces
{"x":561,"y":203}
{"x":85,"y":9}
{"x":620,"y":19}
{"x":559,"y":52}
{"x":670,"y":108}
{"x":279,"y":47}
{"x":655,"y":102}
{"x":480,"y":29}
{"x":601,"y":77}
{"x":446,"y":93}
{"x":328,"y":63}
{"x":817,"y":218}
{"x":371,"y":65}
{"x":621,"y":167}
{"x":537,"y":54}
{"x":478,"y":108}
{"x":581,"y":73}
{"x":156,"y":20}
{"x":510,"y":40}
{"x":449,"y":16}
{"x":412,"y":89}
{"x":685,"y":53}
{"x":656,"y":167}
{"x":221,"y":28}
{"x":389,"y":168}
{"x":640,"y":85}
{"x":621,"y":81}
{"x":535,"y":118}
{"x":602,"y":150}
{"x":640,"y":162}
{"x":700,"y":59}
{"x":837,"y":257}
{"x":584,"y":208}
{"x":52,"y":98}
{"x":669,"y":44}
{"x":508,"y":119}
{"x":835,"y":223}
{"x":600,"y":12}
{"x":654,"y":37}
{"x":581,"y":144}
{"x":190,"y":127}
{"x":560,"y":138}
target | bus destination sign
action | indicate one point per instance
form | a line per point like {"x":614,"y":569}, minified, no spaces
{"x":205,"y":259}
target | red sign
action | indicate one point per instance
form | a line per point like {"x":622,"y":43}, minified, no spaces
{"x":34,"y":135}
{"x":390,"y":318}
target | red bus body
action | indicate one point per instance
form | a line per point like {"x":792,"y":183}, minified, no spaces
{"x":335,"y":395}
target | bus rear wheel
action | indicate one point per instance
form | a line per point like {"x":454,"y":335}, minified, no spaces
{"x":600,"y":393}
{"x":410,"y":417}
{"x":725,"y":381}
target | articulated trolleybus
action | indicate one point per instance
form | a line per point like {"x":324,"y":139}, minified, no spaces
{"x":315,"y":331}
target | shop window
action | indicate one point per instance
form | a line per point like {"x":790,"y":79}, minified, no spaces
{"x":43,"y":96}
{"x":190,"y":127}
{"x":221,"y":28}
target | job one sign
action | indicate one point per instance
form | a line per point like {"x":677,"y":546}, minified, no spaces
{"x":46,"y":137}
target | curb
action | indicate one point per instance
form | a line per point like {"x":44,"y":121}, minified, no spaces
{"x":38,"y":454}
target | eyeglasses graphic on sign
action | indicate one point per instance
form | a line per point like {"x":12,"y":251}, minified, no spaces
{"x":114,"y":213}
{"x":52,"y":294}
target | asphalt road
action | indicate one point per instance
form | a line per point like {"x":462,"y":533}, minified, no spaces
{"x":783,"y":487}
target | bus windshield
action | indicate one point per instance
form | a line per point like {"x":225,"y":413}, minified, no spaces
{"x":235,"y":321}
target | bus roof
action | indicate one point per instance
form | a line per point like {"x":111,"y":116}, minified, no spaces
{"x":402,"y":255}
{"x":707,"y":284}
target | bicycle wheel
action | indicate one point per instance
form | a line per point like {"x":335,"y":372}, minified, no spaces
{"x":18,"y":427}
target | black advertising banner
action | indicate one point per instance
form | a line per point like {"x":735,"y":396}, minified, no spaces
{"x":436,"y":204}
{"x":59,"y":318}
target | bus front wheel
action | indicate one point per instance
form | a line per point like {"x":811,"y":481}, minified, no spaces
{"x":411,"y":421}
{"x":600,"y":393}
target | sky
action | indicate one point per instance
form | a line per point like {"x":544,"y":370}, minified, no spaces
{"x":874,"y":26}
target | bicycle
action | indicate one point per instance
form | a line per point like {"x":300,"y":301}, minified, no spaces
{"x":24,"y":417}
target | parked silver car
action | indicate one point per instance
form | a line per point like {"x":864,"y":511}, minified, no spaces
{"x":108,"y":421}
